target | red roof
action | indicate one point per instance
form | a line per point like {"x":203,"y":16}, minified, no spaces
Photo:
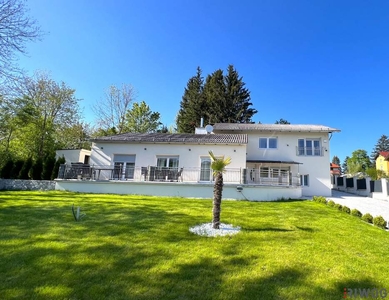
{"x":332,"y":165}
{"x":384,"y":154}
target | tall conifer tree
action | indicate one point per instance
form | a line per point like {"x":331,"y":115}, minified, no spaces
{"x":382,"y":145}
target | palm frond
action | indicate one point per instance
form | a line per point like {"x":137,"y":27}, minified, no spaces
{"x":219,"y":164}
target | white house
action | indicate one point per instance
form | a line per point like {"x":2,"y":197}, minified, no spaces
{"x":74,"y":155}
{"x":268,"y":162}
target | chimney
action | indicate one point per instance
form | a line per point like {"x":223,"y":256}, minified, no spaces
{"x":201,"y":122}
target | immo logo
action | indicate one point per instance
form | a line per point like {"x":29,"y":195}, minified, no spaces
{"x":358,"y":293}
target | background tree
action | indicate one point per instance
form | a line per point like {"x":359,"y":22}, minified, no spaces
{"x":192,"y":105}
{"x":16,"y":29}
{"x":24,"y":172}
{"x":358,"y":162}
{"x":220,"y":99}
{"x":111,"y":111}
{"x":344,"y":165}
{"x":141,"y":119}
{"x":336,"y":160}
{"x":382,"y":145}
{"x":218,"y":166}
{"x":281,"y":121}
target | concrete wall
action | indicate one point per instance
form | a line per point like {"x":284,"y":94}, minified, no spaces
{"x":146,"y":154}
{"x":26,"y":185}
{"x":195,"y":190}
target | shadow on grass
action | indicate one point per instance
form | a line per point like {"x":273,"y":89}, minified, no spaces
{"x":275,"y":229}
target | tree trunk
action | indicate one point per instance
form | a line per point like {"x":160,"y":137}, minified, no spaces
{"x":217,"y":199}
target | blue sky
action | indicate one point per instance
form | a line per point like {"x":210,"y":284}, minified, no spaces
{"x":310,"y":62}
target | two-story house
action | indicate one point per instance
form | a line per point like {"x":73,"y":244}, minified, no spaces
{"x":268,"y":162}
{"x":382,"y":162}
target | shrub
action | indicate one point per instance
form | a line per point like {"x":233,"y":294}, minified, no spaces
{"x":36,"y":169}
{"x":356,"y":213}
{"x":367,"y":218}
{"x":331,"y":203}
{"x":61,"y":160}
{"x":48,"y":166}
{"x":338,"y":206}
{"x":6,"y":170}
{"x":346,"y":209}
{"x":24,"y":172}
{"x":15,"y":171}
{"x":319,"y":199}
{"x":379,"y":222}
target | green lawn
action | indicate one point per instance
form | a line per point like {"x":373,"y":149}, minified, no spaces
{"x":138,"y":247}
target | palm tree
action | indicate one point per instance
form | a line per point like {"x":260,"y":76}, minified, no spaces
{"x":218,"y":166}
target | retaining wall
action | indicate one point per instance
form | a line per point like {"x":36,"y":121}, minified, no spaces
{"x":26,"y":185}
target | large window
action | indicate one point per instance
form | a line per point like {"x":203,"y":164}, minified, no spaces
{"x":268,"y":143}
{"x":124,"y":166}
{"x":205,"y":171}
{"x":167,"y":162}
{"x":309,"y":147}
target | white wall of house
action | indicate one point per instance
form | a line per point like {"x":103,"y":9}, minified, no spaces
{"x":146,"y":154}
{"x":194,"y":190}
{"x":315,"y":166}
{"x":73,"y":155}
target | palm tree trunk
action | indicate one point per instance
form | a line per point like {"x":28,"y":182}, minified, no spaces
{"x":217,"y":199}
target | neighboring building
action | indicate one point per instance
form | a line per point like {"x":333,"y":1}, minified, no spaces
{"x":382,"y":162}
{"x":74,"y":155}
{"x":269,"y":161}
{"x":335,"y":171}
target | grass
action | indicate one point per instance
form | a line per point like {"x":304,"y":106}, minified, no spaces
{"x":138,"y":247}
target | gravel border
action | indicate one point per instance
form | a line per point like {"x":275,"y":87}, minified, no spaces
{"x":206,"y":229}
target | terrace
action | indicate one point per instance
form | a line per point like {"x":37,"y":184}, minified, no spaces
{"x":250,"y":176}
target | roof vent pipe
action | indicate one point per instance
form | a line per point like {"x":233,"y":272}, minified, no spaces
{"x":201,"y":122}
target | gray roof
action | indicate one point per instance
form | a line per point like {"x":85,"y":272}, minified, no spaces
{"x":175,"y":138}
{"x":273,"y":127}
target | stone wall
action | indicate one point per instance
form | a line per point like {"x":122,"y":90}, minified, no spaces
{"x":26,"y":185}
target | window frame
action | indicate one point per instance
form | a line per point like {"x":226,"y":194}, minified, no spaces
{"x":304,"y":150}
{"x":268,"y":142}
{"x":304,"y":180}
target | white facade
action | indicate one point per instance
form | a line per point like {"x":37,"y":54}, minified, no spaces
{"x":74,"y":155}
{"x":268,"y":162}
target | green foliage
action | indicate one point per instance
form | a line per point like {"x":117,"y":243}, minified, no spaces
{"x":24,"y":172}
{"x":367,"y":218}
{"x":48,"y":166}
{"x":379,"y":222}
{"x":336,"y":160}
{"x":382,"y":145}
{"x":6,"y":169}
{"x":60,"y":161}
{"x":356,"y":213}
{"x":331,"y":203}
{"x":346,"y":209}
{"x":36,"y":169}
{"x":320,"y":199}
{"x":219,"y":164}
{"x":375,"y":174}
{"x":221,"y":99}
{"x":344,"y":165}
{"x":358,"y":162}
{"x":17,"y":167}
{"x":141,"y":119}
{"x":282,"y":121}
{"x":338,"y":206}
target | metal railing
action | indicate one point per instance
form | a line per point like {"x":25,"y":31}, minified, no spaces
{"x":309,"y":151}
{"x":163,"y":174}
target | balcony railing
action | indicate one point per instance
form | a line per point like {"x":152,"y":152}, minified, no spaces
{"x":162,"y":174}
{"x":309,"y":151}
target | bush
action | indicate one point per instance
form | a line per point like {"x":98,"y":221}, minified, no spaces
{"x":346,"y":209}
{"x":48,"y":166}
{"x":6,"y":170}
{"x":17,"y":167}
{"x":36,"y":170}
{"x":379,"y":222}
{"x":367,"y":218}
{"x":356,"y":213}
{"x":24,"y":172}
{"x":331,"y":203}
{"x":338,"y":206}
{"x":319,"y":199}
{"x":60,"y":161}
